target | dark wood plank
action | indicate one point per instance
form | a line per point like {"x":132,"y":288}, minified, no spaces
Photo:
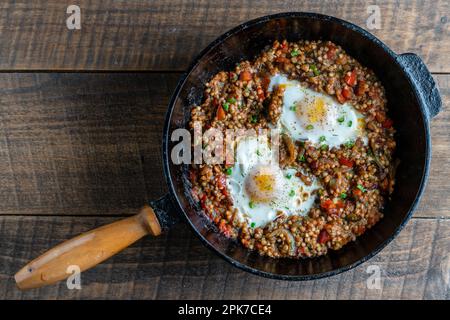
{"x":81,"y":144}
{"x":415,"y":266}
{"x":89,"y":144}
{"x":161,"y":35}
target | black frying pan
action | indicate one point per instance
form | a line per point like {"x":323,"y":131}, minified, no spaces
{"x":413,"y":100}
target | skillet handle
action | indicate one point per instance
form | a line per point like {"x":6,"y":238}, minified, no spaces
{"x":423,"y":81}
{"x":93,"y":247}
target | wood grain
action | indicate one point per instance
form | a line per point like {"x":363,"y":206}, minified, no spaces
{"x":161,"y":35}
{"x":81,"y":144}
{"x":415,"y":266}
{"x":89,"y":144}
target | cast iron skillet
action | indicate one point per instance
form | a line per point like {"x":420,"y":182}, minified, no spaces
{"x":413,"y":100}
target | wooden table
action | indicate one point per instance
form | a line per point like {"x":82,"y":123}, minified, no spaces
{"x":81,"y":115}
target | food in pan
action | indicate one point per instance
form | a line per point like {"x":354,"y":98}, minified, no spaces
{"x":335,"y":168}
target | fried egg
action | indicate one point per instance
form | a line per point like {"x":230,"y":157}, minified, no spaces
{"x":260,"y":189}
{"x":310,"y":115}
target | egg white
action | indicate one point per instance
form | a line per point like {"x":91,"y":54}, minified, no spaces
{"x":291,"y":196}
{"x":310,"y":115}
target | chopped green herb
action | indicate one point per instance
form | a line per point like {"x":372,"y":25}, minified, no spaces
{"x":295,"y":53}
{"x":322,"y":138}
{"x":343,"y":195}
{"x":251,"y":204}
{"x":360,"y":187}
{"x":301,"y":143}
{"x":291,"y":193}
{"x":226,"y":106}
{"x":341,"y":119}
{"x":232,"y":100}
{"x":288,"y":176}
{"x":309,"y":127}
{"x":258,"y":153}
{"x":324,"y":147}
{"x":302,"y":158}
{"x":252,"y":224}
{"x":350,"y":123}
{"x":229,"y":171}
{"x":314,"y":69}
{"x":293,"y":108}
{"x":349,"y":144}
{"x":254,"y":119}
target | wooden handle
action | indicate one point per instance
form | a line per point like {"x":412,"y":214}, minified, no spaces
{"x":87,"y":249}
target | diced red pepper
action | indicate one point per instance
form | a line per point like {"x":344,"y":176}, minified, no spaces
{"x":265,"y":82}
{"x":323,"y":237}
{"x":340,"y":204}
{"x":346,"y":162}
{"x":361,"y":89}
{"x":282,"y":60}
{"x":221,"y":113}
{"x":203,"y":202}
{"x":340,"y":97}
{"x":225,"y":228}
{"x":301,"y":251}
{"x":387,"y":123}
{"x":329,"y":206}
{"x":347,"y":93}
{"x":331,"y":53}
{"x":284,"y":46}
{"x":350,"y":79}
{"x":245,"y":76}
{"x":380,"y":116}
{"x":357,"y":193}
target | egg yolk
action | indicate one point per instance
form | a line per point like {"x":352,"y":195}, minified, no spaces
{"x":315,"y":111}
{"x":262,"y":184}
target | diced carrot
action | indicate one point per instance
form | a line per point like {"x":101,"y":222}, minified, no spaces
{"x":323,"y":237}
